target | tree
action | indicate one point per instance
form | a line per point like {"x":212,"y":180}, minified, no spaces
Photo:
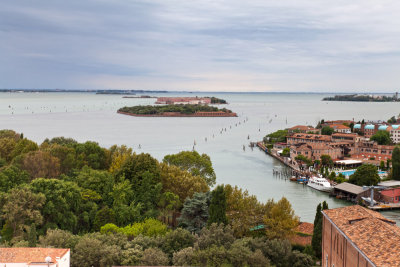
{"x":196,"y":164}
{"x":92,"y":154}
{"x":194,"y":214}
{"x":65,"y":154}
{"x":382,"y":137}
{"x":58,"y":238}
{"x":119,"y":154}
{"x":382,"y":165}
{"x":316,"y":241}
{"x":215,"y":235}
{"x":11,"y":177}
{"x":32,"y":235}
{"x":396,"y":163}
{"x":217,"y":209}
{"x":276,"y":137}
{"x":176,"y":240}
{"x":62,"y":206}
{"x":169,"y":202}
{"x":99,"y":181}
{"x":22,"y":208}
{"x":242,"y":210}
{"x":7,"y":145}
{"x":392,"y":120}
{"x":280,"y":220}
{"x":103,"y":216}
{"x":326,"y":160}
{"x":181,"y":182}
{"x":90,"y":251}
{"x":326,"y":130}
{"x":366,"y":174}
{"x":41,"y":164}
{"x":154,"y":257}
{"x":304,"y":159}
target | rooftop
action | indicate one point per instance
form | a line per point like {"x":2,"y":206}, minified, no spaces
{"x":390,"y":183}
{"x":302,"y":128}
{"x":351,"y":188}
{"x":360,"y":225}
{"x":326,"y":138}
{"x":28,"y":255}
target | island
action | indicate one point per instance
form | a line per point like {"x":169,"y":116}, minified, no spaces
{"x":363,"y":98}
{"x":177,"y":110}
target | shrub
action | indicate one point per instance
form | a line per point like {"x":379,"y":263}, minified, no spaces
{"x":184,"y":257}
{"x":154,"y":257}
{"x":218,"y":235}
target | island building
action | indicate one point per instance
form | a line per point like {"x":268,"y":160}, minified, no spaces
{"x":337,"y":122}
{"x":184,"y":100}
{"x":355,"y":236}
{"x":34,"y":257}
{"x":340,"y":128}
{"x":303,"y":129}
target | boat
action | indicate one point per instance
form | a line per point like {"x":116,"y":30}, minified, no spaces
{"x":320,"y":184}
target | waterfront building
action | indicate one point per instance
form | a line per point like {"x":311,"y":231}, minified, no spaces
{"x":38,"y":257}
{"x":298,"y":138}
{"x":349,"y":192}
{"x":303,"y":129}
{"x":356,"y":236}
{"x":314,"y":151}
{"x":391,"y":195}
{"x":340,"y":128}
{"x":371,"y":150}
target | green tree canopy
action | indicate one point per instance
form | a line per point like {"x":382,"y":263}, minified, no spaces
{"x":366,"y":174}
{"x":196,"y":164}
{"x":395,"y":163}
{"x":382,"y":137}
{"x":326,"y":160}
{"x":217,"y":209}
{"x":326,"y":130}
{"x":194,"y":214}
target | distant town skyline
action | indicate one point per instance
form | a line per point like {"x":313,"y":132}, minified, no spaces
{"x":221,"y":45}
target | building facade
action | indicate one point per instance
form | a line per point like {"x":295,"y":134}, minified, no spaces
{"x":29,"y":257}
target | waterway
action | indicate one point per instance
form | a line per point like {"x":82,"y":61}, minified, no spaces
{"x":87,"y":116}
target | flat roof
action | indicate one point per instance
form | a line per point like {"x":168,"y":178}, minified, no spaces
{"x":349,"y":161}
{"x":390,"y":183}
{"x":351,"y":188}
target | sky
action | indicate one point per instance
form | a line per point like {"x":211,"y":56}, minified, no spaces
{"x":190,"y":45}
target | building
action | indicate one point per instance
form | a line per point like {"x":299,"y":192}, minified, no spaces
{"x":391,"y":195}
{"x":355,"y":236}
{"x":395,"y":133}
{"x":303,"y":129}
{"x":314,"y":151}
{"x":345,"y":137}
{"x":184,"y":100}
{"x":340,"y":128}
{"x":371,"y":150}
{"x":342,"y":122}
{"x":307,"y":138}
{"x":34,"y":257}
{"x":349,"y":192}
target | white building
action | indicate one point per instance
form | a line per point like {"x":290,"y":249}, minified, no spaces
{"x":34,"y":257}
{"x":395,"y":133}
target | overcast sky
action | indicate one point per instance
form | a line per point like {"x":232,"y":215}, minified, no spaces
{"x":232,"y":45}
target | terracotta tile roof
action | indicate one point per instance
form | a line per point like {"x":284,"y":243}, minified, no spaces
{"x":305,"y":227}
{"x":303,"y":234}
{"x":377,"y":237}
{"x":326,"y":138}
{"x":339,"y":126}
{"x":28,"y":255}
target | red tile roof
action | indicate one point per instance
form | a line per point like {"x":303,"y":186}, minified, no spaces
{"x":377,"y":237}
{"x":28,"y":255}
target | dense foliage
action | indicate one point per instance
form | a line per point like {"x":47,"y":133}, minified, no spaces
{"x":181,"y":108}
{"x":113,"y":207}
{"x":276,"y":137}
{"x":366,"y":174}
{"x":215,"y":100}
{"x":382,"y":138}
{"x":396,"y":163}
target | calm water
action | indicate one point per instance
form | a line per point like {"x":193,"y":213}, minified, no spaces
{"x":85,"y":116}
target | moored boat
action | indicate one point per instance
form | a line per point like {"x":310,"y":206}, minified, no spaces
{"x":320,"y":184}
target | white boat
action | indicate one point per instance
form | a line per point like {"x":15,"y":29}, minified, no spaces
{"x":320,"y":184}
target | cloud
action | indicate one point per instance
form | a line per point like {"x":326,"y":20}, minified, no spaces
{"x":205,"y":45}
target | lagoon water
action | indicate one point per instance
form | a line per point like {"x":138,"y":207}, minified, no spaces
{"x":87,"y":116}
